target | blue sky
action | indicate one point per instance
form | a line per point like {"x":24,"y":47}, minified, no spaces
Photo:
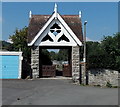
{"x":102,"y":17}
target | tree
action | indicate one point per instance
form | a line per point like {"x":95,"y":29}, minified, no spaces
{"x":105,"y":54}
{"x":94,"y":55}
{"x":62,"y":55}
{"x":45,"y":57}
{"x":53,"y":55}
{"x":111,"y":45}
{"x":19,"y":39}
{"x":6,"y":46}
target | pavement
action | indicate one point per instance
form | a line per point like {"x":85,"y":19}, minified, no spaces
{"x":55,"y":92}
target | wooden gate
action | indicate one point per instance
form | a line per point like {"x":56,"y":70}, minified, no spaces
{"x":67,"y":71}
{"x":48,"y":70}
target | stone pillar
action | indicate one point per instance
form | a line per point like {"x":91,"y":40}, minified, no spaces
{"x":35,"y":61}
{"x":83,"y":75}
{"x":75,"y":63}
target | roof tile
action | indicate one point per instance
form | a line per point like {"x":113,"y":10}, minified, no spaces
{"x":38,"y":21}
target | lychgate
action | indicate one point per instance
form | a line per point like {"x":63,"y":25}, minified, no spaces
{"x":55,"y":31}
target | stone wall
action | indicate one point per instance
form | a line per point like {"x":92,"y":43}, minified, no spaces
{"x":83,"y":75}
{"x":35,"y":61}
{"x":75,"y":63}
{"x":102,"y":76}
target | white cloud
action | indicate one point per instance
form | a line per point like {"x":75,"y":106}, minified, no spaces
{"x":88,"y":39}
{"x":9,"y":41}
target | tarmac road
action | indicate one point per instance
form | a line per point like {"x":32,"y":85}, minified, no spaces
{"x":55,"y":92}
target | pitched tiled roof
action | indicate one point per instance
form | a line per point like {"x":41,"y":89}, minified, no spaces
{"x":38,"y":21}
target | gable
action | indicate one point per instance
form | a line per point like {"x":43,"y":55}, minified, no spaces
{"x":40,"y":24}
{"x":55,"y":35}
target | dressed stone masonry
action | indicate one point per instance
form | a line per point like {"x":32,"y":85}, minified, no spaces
{"x":75,"y":63}
{"x":35,"y":61}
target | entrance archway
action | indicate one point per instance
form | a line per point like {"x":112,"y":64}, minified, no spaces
{"x":56,"y":68}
